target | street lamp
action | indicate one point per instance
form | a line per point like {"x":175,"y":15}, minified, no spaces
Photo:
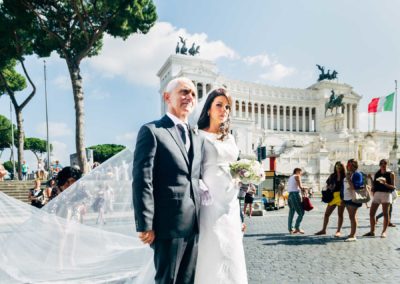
{"x":47,"y":117}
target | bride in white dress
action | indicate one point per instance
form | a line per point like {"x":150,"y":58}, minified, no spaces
{"x":220,"y":252}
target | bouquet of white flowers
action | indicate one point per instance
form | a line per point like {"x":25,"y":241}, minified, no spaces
{"x":247,"y":171}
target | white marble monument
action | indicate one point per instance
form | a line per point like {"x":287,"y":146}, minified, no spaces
{"x":292,"y":121}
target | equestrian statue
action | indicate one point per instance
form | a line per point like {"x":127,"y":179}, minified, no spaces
{"x":334,"y":102}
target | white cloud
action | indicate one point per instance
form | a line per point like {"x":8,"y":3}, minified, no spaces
{"x":272,"y":69}
{"x":60,"y":152}
{"x":128,"y":139}
{"x":56,"y":129}
{"x":277,"y":72}
{"x":262,"y":59}
{"x":139,"y":57}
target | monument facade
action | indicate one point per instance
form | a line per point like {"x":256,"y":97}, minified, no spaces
{"x":309,"y":128}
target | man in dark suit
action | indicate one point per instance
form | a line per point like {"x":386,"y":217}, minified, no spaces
{"x":166,"y":172}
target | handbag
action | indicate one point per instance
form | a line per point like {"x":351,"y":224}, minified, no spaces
{"x":327,"y":195}
{"x":362,"y":195}
{"x":307,"y":205}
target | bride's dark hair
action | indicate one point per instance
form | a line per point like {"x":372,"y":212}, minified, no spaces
{"x":204,"y":120}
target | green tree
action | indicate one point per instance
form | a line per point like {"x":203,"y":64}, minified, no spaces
{"x":5,"y":134}
{"x":17,"y":34}
{"x":8,"y":166}
{"x":37,"y":146}
{"x":75,"y":30}
{"x":103,"y":152}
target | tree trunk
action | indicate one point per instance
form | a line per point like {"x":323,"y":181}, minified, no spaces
{"x":20,"y":146}
{"x":76,"y":79}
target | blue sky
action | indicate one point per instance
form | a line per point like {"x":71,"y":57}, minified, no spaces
{"x":271,"y":42}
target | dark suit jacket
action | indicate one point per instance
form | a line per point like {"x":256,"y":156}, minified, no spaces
{"x":166,"y":181}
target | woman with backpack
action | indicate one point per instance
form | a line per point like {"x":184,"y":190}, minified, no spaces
{"x":334,"y":184}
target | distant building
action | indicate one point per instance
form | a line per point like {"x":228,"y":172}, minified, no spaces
{"x":290,"y":121}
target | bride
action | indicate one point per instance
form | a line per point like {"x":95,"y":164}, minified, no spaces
{"x":220,"y":249}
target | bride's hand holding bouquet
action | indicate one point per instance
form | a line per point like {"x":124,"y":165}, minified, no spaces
{"x":247,"y":171}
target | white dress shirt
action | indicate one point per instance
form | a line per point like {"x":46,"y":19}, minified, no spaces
{"x":185,"y":127}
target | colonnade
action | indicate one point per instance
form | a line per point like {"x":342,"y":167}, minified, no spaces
{"x":277,"y":117}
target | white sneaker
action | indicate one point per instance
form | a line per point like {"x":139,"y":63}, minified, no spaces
{"x":353,"y":239}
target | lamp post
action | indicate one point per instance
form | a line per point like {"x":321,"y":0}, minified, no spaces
{"x":12,"y":140}
{"x":47,"y":117}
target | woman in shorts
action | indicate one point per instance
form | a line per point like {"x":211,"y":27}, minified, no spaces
{"x":335,"y":183}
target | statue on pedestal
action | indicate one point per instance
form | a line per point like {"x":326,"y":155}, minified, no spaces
{"x":334,"y":102}
{"x":184,"y":50}
{"x":327,"y":75}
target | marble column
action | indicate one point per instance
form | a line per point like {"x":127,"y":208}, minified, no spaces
{"x":309,"y":119}
{"x":303,"y":109}
{"x":240,"y":108}
{"x":297,"y":119}
{"x":284,"y":118}
{"x":265,"y":117}
{"x":204,"y":90}
{"x":259,"y":115}
{"x":278,"y":118}
{"x":351,"y":116}
{"x":356,"y":117}
{"x":253,"y":112}
{"x":272,"y":117}
{"x":291,"y":118}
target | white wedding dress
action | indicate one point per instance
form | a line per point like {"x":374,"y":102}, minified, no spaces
{"x":221,"y":255}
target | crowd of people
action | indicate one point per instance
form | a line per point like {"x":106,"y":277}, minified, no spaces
{"x":343,"y":183}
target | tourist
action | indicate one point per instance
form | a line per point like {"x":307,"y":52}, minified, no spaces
{"x":295,"y":189}
{"x":354,"y":181}
{"x":335,"y":183}
{"x":382,"y":189}
{"x":249,"y":198}
{"x":35,"y":195}
{"x":3,"y":172}
{"x":380,"y":215}
{"x":24,"y":170}
{"x":56,"y":168}
{"x":67,"y":176}
{"x":264,"y":201}
{"x":51,"y":191}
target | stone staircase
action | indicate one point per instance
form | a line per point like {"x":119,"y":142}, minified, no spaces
{"x":16,"y":189}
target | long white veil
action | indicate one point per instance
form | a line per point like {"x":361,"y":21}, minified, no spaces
{"x":85,"y":235}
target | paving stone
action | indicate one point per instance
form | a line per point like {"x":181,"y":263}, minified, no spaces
{"x":275,"y":256}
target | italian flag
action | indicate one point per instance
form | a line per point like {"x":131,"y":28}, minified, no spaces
{"x":381,"y":104}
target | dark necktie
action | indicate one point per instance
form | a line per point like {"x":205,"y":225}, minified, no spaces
{"x":182,"y":130}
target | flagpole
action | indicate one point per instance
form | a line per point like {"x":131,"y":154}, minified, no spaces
{"x":395,"y":118}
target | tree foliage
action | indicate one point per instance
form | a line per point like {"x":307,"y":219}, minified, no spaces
{"x":75,"y":30}
{"x":8,"y":166}
{"x":5,"y":133}
{"x":103,"y":152}
{"x":17,"y":37}
{"x":37,"y":146}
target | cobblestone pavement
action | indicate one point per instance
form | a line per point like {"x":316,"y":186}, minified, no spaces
{"x":274,"y":256}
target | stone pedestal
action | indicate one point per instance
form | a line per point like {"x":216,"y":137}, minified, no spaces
{"x":333,"y":123}
{"x":324,"y":165}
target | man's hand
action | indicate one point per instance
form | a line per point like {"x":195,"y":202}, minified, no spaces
{"x":147,"y":237}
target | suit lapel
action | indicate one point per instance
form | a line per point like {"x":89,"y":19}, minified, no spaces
{"x":170,"y":127}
